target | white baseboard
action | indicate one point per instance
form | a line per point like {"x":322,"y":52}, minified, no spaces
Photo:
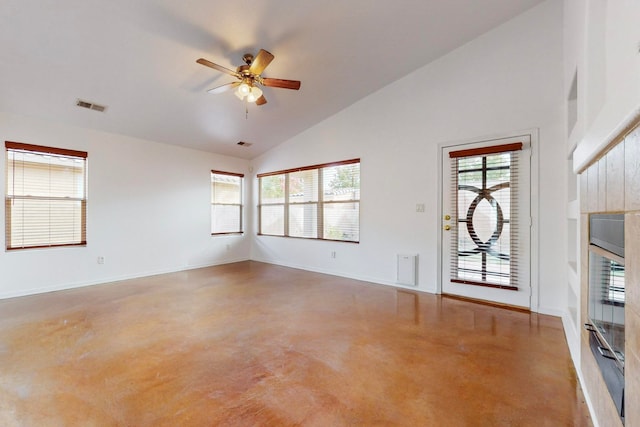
{"x":102,"y":281}
{"x":370,"y":279}
{"x":571,"y":332}
{"x":587,"y":399}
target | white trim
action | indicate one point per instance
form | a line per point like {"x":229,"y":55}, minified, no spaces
{"x":439,"y":211}
{"x":572,"y":337}
{"x":587,"y":398}
{"x":595,"y":141}
{"x":535,"y":215}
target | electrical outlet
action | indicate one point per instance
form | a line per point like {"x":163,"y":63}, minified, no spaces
{"x":333,"y":254}
{"x":100,"y":260}
{"x":420,"y":207}
{"x":228,"y":247}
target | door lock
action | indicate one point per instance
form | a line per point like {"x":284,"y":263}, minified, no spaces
{"x":447,"y":227}
{"x":447,"y":217}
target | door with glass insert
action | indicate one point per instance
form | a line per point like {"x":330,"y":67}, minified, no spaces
{"x":486,"y":221}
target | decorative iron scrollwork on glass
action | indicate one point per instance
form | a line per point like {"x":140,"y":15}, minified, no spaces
{"x":489,"y":246}
{"x":484,"y":209}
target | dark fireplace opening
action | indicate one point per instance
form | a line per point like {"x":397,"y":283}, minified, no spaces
{"x":607,"y":300}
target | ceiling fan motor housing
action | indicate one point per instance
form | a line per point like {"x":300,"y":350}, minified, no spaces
{"x":247,"y":58}
{"x":244,"y":70}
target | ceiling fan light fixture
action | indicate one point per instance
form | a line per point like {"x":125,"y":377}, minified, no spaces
{"x":255,"y":93}
{"x":243,"y":90}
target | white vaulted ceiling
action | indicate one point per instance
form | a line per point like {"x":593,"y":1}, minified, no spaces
{"x":138,"y":57}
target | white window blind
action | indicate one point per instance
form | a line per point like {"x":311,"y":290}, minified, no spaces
{"x":313,"y":202}
{"x":303,"y":203}
{"x":341,"y":202}
{"x":46,"y":200}
{"x":484,"y":248}
{"x":226,"y":202}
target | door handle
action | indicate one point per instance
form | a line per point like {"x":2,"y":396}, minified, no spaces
{"x":447,"y":217}
{"x":447,"y":227}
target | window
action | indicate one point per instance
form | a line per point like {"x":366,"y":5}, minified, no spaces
{"x":46,"y":198}
{"x":226,"y":202}
{"x":485,"y":240}
{"x":313,"y":202}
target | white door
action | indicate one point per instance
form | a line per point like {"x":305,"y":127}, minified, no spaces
{"x":486,"y":220}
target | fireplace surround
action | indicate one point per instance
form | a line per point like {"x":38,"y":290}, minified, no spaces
{"x":611,"y":185}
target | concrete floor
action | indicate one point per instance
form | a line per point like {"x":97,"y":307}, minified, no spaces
{"x":254,"y":344}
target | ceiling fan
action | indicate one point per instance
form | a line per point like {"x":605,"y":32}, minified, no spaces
{"x":249,"y":77}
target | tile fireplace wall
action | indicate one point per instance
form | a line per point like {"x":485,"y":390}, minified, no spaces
{"x":612,"y":184}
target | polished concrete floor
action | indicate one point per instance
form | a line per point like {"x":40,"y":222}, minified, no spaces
{"x":252,"y":344}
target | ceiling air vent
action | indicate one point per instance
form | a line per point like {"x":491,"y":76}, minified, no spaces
{"x":90,"y":105}
{"x":245,"y":144}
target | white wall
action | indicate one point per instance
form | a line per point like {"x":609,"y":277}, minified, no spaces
{"x":507,"y":80}
{"x":602,"y":43}
{"x":148,"y":211}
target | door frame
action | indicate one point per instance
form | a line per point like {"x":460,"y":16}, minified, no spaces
{"x":533,"y":133}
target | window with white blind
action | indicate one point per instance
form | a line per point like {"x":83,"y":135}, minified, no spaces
{"x":313,"y":202}
{"x":226,"y":202}
{"x":485,"y":244}
{"x":46,"y":198}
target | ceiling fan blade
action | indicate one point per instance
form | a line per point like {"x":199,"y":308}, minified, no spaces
{"x":217,"y":67}
{"x":260,"y":62}
{"x":261,"y":101}
{"x":225,"y":87}
{"x":286,"y":84}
